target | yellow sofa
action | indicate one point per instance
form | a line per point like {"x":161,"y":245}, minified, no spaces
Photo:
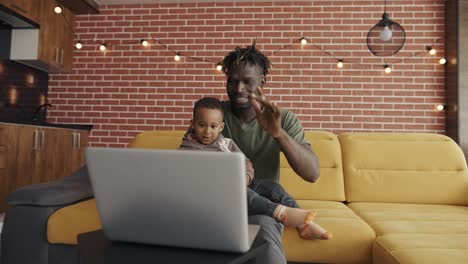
{"x":387,"y":198}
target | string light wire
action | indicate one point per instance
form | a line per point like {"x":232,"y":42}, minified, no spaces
{"x":300,"y":41}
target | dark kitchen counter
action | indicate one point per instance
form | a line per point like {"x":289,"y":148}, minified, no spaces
{"x":46,"y":124}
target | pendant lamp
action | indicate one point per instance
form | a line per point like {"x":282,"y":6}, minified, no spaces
{"x":386,"y":37}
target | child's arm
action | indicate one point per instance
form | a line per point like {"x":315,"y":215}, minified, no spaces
{"x":249,"y":170}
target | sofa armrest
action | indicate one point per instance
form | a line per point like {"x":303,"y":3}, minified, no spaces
{"x":25,"y":223}
{"x":67,"y":190}
{"x":24,"y":235}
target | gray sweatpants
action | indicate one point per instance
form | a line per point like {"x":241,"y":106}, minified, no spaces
{"x":263,"y":197}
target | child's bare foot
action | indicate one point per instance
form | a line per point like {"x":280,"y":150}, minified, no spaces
{"x":311,"y":230}
{"x":293,"y":217}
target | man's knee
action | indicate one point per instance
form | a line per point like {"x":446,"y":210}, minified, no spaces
{"x":271,"y":233}
{"x":269,"y":225}
{"x":264,"y":220}
{"x":266,"y":187}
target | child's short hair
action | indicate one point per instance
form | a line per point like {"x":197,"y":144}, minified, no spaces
{"x":208,"y":102}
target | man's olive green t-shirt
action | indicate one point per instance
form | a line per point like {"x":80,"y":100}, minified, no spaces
{"x":262,"y":150}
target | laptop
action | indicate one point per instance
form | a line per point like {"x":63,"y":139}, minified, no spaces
{"x":181,"y":198}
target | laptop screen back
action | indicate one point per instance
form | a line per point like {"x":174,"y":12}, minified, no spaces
{"x":183,"y":198}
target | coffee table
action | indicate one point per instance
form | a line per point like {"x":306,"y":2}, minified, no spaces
{"x":95,"y":248}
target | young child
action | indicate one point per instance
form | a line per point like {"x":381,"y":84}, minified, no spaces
{"x":205,"y":134}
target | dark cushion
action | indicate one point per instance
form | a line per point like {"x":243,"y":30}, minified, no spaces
{"x":67,"y":190}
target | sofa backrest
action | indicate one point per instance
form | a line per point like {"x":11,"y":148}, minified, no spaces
{"x":160,"y":139}
{"x":330,"y":185}
{"x":404,"y":168}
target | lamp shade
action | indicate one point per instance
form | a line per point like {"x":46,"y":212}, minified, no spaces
{"x":386,"y":37}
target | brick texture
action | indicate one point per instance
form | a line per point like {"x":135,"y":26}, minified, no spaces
{"x":131,"y":88}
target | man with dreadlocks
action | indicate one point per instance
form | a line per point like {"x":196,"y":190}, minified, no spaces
{"x":262,"y":130}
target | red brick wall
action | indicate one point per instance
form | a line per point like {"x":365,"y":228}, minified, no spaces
{"x":130,"y":88}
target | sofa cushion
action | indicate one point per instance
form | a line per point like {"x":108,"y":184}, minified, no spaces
{"x":65,"y":224}
{"x":161,"y":139}
{"x":404,"y":168}
{"x":421,"y":248}
{"x":330,"y":185}
{"x":352,"y":237}
{"x":394,"y":218}
{"x":417,"y":233}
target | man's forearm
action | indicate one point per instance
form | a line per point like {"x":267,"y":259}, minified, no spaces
{"x":301,"y":157}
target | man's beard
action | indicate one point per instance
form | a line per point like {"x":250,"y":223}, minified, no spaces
{"x":240,"y":106}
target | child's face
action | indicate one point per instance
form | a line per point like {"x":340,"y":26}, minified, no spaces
{"x":207,"y":124}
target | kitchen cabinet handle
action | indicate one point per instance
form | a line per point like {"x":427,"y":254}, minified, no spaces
{"x":73,"y":140}
{"x":76,"y":140}
{"x":61,"y":56}
{"x":42,"y":139}
{"x":78,"y":146}
{"x":56,"y":55}
{"x":36,"y":139}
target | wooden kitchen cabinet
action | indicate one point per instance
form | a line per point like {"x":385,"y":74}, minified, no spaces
{"x":8,"y":135}
{"x":56,"y":37}
{"x":40,"y":151}
{"x":35,"y":154}
{"x":27,"y":151}
{"x":26,"y":8}
{"x":49,"y":47}
{"x":79,"y":143}
{"x":66,"y":38}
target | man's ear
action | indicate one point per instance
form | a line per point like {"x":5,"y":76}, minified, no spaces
{"x":263,"y":80}
{"x":222,"y":126}
{"x":191,"y":124}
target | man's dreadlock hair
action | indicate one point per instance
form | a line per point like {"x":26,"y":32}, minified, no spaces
{"x":249,"y":54}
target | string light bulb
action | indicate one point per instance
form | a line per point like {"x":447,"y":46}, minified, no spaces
{"x":431,"y":50}
{"x":442,"y":61}
{"x":303,"y":41}
{"x":103,"y":47}
{"x":219,"y":67}
{"x":440,"y":107}
{"x":177,"y":57}
{"x":78,"y":44}
{"x":387,"y":69}
{"x":144,"y":42}
{"x":340,"y":64}
{"x":58,"y":9}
